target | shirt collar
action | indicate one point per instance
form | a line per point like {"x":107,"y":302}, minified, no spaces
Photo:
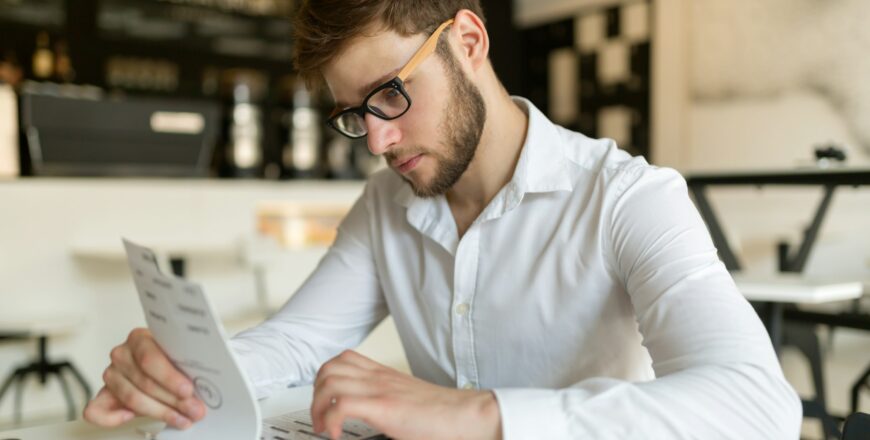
{"x":541,"y":167}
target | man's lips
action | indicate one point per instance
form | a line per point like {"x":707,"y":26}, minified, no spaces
{"x":406,"y":164}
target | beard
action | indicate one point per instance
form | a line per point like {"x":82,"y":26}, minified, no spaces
{"x":461,"y":125}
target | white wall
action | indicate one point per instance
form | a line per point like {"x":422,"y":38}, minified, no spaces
{"x":749,"y":49}
{"x":43,"y":220}
{"x":769,"y":81}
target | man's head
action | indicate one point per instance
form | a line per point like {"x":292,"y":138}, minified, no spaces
{"x":354,"y":46}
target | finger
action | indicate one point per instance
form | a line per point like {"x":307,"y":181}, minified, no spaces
{"x":140,"y":403}
{"x":348,"y":363}
{"x":122,"y":359}
{"x":106,"y":411}
{"x":192,"y":407}
{"x":338,"y":369}
{"x":359,"y":360}
{"x":365,"y":409}
{"x":154,"y":362}
{"x":335,"y":388}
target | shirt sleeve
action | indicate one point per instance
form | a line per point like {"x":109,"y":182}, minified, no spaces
{"x":717,"y":375}
{"x":334,"y":309}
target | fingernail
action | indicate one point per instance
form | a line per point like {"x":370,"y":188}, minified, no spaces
{"x":181,"y":422}
{"x":127,"y":417}
{"x":192,"y":409}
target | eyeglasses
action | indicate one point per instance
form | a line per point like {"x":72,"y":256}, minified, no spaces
{"x":389,"y":100}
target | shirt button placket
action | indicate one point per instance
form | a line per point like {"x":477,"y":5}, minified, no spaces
{"x":465,"y":272}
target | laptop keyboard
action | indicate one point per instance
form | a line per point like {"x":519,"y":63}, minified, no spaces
{"x":297,"y":426}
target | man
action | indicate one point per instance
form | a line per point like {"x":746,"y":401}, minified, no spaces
{"x":544,"y":284}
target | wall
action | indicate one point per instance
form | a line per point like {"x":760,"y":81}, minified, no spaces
{"x":769,"y":81}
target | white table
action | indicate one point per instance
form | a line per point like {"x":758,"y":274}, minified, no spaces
{"x":798,"y":289}
{"x":292,"y":399}
{"x":775,"y":291}
{"x":176,"y":250}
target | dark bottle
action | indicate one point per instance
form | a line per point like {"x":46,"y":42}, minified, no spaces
{"x":245,"y":132}
{"x":63,"y":68}
{"x":339,"y":158}
{"x":301,"y":155}
{"x":43,"y":59}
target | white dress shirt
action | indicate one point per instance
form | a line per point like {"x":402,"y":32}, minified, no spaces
{"x":587,"y":295}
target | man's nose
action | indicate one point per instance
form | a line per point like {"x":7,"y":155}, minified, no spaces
{"x":382,"y":135}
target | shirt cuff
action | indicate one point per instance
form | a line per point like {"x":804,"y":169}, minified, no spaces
{"x":256,"y":371}
{"x":531,"y":413}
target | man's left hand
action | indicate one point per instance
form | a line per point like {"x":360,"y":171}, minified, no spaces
{"x":352,"y":386}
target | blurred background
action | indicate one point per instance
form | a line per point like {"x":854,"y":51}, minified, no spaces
{"x":182,"y":125}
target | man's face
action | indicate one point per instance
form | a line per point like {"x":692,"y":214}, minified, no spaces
{"x":432,"y":144}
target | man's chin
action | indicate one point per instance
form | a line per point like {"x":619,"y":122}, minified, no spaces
{"x":423,"y":189}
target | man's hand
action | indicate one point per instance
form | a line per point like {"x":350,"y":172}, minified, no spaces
{"x":401,"y":406}
{"x":141,"y":381}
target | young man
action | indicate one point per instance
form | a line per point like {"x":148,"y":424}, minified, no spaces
{"x":544,"y":284}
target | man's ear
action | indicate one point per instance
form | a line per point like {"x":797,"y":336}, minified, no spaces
{"x":470,"y":32}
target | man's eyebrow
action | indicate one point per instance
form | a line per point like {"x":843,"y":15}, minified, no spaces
{"x":365,"y":90}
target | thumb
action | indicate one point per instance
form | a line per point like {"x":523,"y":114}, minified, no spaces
{"x":106,"y":410}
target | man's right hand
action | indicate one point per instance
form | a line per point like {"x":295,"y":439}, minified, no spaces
{"x":141,"y":381}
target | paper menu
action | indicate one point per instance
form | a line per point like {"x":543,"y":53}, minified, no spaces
{"x":185,"y":325}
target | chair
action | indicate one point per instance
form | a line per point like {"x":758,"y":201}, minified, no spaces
{"x":41,"y":327}
{"x":857,"y":427}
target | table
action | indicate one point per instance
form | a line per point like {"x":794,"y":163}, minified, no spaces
{"x":788,"y":288}
{"x":828,"y":178}
{"x":176,"y":250}
{"x":789,"y":261}
{"x":292,"y":399}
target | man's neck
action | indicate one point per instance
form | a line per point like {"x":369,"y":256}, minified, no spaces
{"x":495,"y":160}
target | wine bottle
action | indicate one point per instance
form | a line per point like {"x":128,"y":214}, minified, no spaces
{"x":301,"y":154}
{"x":8,"y":132}
{"x":43,"y":59}
{"x":245,"y":131}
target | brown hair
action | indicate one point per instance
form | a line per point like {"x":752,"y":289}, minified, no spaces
{"x":323,"y":27}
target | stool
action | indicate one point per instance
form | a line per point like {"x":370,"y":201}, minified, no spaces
{"x":42,"y":367}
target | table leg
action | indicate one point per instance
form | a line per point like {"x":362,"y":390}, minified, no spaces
{"x":774,"y":324}
{"x":716,"y":233}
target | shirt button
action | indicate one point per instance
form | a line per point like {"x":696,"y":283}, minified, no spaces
{"x":462,"y":309}
{"x":469,"y":386}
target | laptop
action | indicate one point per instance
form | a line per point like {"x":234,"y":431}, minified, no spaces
{"x":184,"y":323}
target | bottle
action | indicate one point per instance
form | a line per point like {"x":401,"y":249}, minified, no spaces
{"x":63,"y":70}
{"x":8,"y":132}
{"x":10,"y":70}
{"x":301,"y":154}
{"x":339,"y":158}
{"x":43,"y":59}
{"x":365,"y":162}
{"x":245,"y":131}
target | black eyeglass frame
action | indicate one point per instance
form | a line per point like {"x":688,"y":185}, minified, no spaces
{"x":395,"y":83}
